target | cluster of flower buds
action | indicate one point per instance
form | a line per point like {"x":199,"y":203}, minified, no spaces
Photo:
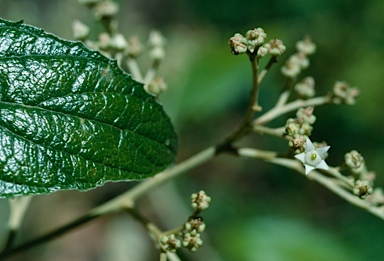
{"x":190,"y":232}
{"x":156,"y":86}
{"x":305,"y":88}
{"x":200,"y":200}
{"x":299,"y":60}
{"x":80,"y":30}
{"x":253,"y":43}
{"x":275,"y":47}
{"x":102,"y":8}
{"x":192,"y":242}
{"x":135,"y":47}
{"x":343,"y":93}
{"x":354,"y":161}
{"x":156,"y":42}
{"x":112,"y":41}
{"x":114,"y":45}
{"x":312,"y":155}
{"x":299,"y":128}
{"x":362,"y":188}
{"x":170,"y":243}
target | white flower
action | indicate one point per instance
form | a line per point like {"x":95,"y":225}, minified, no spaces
{"x":313,"y":158}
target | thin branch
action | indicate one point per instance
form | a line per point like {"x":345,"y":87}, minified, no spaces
{"x":334,"y":172}
{"x":264,"y":72}
{"x":18,"y":207}
{"x":134,"y":69}
{"x":245,"y":127}
{"x":276,"y":132}
{"x":125,"y":201}
{"x":254,"y":153}
{"x":155,"y":234}
{"x":54,"y":234}
{"x":254,"y":96}
{"x":292,"y":106}
{"x":329,"y":183}
{"x":151,"y":73}
{"x":285,"y":94}
{"x":173,"y":256}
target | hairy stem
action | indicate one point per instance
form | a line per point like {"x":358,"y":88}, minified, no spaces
{"x":329,"y":183}
{"x":292,"y":106}
{"x":264,"y":72}
{"x":151,"y":73}
{"x":125,"y":201}
{"x":254,"y":97}
{"x":18,"y":207}
{"x":276,"y":132}
{"x":54,"y":234}
{"x":285,"y":94}
{"x":245,"y":126}
{"x":134,"y":69}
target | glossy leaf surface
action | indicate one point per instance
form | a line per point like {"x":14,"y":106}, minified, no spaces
{"x":70,"y":118}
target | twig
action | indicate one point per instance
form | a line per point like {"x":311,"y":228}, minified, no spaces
{"x":285,"y":94}
{"x":134,"y":69}
{"x":278,"y":111}
{"x":18,"y":207}
{"x":151,"y":73}
{"x":264,"y":72}
{"x":276,"y":132}
{"x":125,"y":201}
{"x":254,"y":96}
{"x":327,"y":182}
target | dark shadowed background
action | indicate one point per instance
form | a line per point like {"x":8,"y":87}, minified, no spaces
{"x":259,"y":211}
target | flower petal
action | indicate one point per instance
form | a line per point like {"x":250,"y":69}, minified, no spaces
{"x":308,"y":169}
{"x":322,"y":165}
{"x":309,"y":145}
{"x":300,"y":157}
{"x":322,"y":151}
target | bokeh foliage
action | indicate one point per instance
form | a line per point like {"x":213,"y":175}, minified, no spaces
{"x":255,"y":204}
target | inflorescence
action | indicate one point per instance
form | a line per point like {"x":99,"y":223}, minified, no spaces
{"x":190,"y":232}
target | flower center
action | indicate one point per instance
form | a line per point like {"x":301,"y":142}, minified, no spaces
{"x":313,"y":156}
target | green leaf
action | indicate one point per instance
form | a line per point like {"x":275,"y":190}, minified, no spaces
{"x":70,"y":118}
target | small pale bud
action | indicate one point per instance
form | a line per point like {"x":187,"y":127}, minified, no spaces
{"x":156,"y":86}
{"x":80,"y":30}
{"x":354,"y":160}
{"x":301,"y":59}
{"x":291,"y":68}
{"x":362,"y":188}
{"x":156,"y":39}
{"x":306,"y":46}
{"x":104,"y":41}
{"x":170,"y":243}
{"x":255,"y":37}
{"x":192,"y":242}
{"x":275,"y":47}
{"x":118,"y":42}
{"x":106,"y":9}
{"x":200,"y":200}
{"x":343,"y":93}
{"x":262,"y":51}
{"x":306,"y":88}
{"x":238,"y":44}
{"x":306,"y":115}
{"x":134,"y":48}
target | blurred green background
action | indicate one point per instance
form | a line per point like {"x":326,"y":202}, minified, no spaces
{"x":259,"y":211}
